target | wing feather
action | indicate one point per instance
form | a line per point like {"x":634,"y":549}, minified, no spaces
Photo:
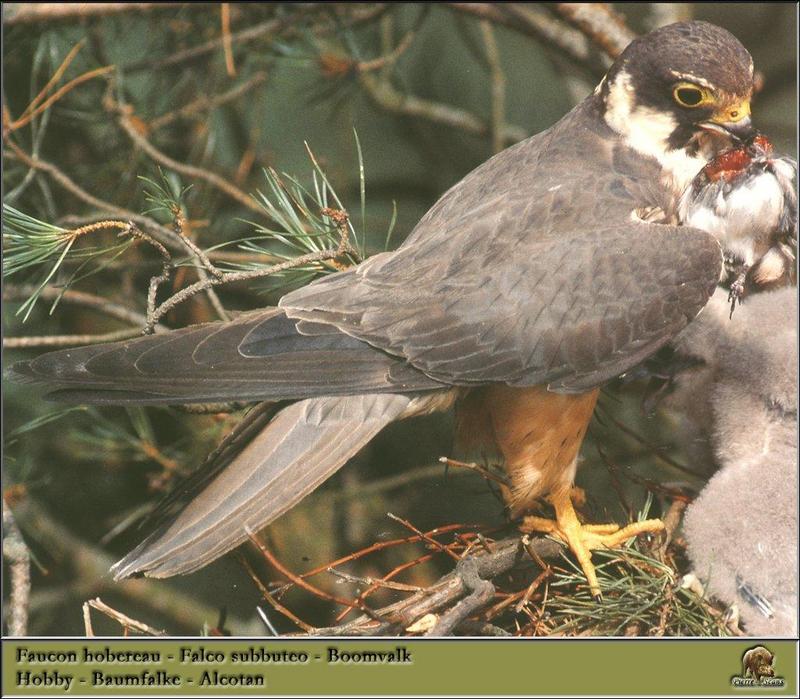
{"x":258,"y":356}
{"x":531,"y":270}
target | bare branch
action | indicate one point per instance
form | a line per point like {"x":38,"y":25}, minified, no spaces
{"x":30,"y":12}
{"x":125,"y":621}
{"x":19,"y":558}
{"x":339,"y":217}
{"x":600,"y":23}
{"x":481,"y":593}
{"x":277,"y":606}
{"x":91,"y":566}
{"x":204,"y":103}
{"x":80,"y":298}
{"x":227,"y":44}
{"x":508,"y":554}
{"x":390,"y":99}
{"x":498,"y":83}
{"x":286,"y":26}
{"x":300,"y":582}
{"x":124,"y":119}
{"x":164,"y":234}
{"x":531,"y":20}
{"x":37,"y":341}
{"x":87,"y":620}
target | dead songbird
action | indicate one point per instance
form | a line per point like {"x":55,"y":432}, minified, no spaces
{"x":746,"y":198}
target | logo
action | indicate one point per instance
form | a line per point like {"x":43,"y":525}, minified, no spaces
{"x":758,"y":670}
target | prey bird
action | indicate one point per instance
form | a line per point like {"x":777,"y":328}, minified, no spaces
{"x":528,"y":285}
{"x":746,"y":198}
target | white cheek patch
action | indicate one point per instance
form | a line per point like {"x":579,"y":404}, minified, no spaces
{"x":647,"y":131}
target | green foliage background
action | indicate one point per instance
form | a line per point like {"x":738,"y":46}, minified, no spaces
{"x":87,"y":470}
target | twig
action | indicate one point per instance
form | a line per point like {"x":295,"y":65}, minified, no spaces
{"x":179,"y":226}
{"x":297,"y":580}
{"x":205,"y":103}
{"x":340,"y":219}
{"x":531,"y":20}
{"x":481,"y":592}
{"x":390,"y":99}
{"x":80,"y":298}
{"x":30,"y":12}
{"x":59,"y":72}
{"x":68,"y":340}
{"x":157,"y":280}
{"x":87,"y":620}
{"x":498,"y":85}
{"x":484,"y":472}
{"x":429,"y":539}
{"x":289,"y":26}
{"x":164,"y":234}
{"x":379,"y":546}
{"x":273,"y":602}
{"x":388,"y":59}
{"x":205,"y":269}
{"x":448,"y":589}
{"x":125,"y":112}
{"x":272,"y":26}
{"x":227,"y":46}
{"x":378,"y":582}
{"x":125,"y":621}
{"x":538,"y":580}
{"x":600,"y":23}
{"x":57,"y":95}
{"x":497,"y":609}
{"x":19,"y":557}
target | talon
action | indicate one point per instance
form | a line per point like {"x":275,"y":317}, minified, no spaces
{"x":583,"y":538}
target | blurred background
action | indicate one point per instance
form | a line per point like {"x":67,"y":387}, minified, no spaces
{"x":398,"y":99}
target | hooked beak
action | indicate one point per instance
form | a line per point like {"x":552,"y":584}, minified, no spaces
{"x":733,"y":122}
{"x":738,"y":130}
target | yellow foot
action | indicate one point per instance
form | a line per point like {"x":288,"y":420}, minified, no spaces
{"x":582,"y":538}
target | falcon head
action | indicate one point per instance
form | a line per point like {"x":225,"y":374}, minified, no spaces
{"x":681,"y":91}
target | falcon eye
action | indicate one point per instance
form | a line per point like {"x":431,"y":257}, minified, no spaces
{"x":691,"y":95}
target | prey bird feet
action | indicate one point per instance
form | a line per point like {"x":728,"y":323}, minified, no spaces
{"x":737,"y":290}
{"x":583,"y":538}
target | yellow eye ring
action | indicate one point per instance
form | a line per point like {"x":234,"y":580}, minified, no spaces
{"x":691,"y":95}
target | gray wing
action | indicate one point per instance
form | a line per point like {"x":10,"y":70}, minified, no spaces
{"x":530,"y":271}
{"x":303,"y":445}
{"x":258,"y":356}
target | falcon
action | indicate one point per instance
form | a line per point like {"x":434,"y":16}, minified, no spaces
{"x":527,"y":286}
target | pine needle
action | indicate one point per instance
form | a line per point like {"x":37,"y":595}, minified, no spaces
{"x":29,"y":243}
